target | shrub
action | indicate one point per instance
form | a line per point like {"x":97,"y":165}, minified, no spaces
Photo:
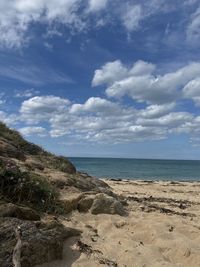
{"x":27,"y":188}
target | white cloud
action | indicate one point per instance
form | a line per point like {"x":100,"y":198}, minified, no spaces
{"x":17,"y":16}
{"x":192,"y":91}
{"x":32,"y":130}
{"x":193,"y":28}
{"x":42,"y":108}
{"x":141,"y":68}
{"x":116,"y":71}
{"x":171,"y":120}
{"x":109,"y":73}
{"x":9,"y":119}
{"x":132,"y":17}
{"x":97,"y":5}
{"x":105,"y":121}
{"x":95,"y":105}
{"x":156,"y":111}
{"x":26,"y":93}
{"x":141,"y":84}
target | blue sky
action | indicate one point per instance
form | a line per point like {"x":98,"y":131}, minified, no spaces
{"x":103,"y":78}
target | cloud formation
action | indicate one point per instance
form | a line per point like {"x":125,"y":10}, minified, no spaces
{"x":112,"y":120}
{"x":28,"y":131}
{"x":97,"y":5}
{"x":193,"y":28}
{"x":142,"y":84}
{"x":33,"y":75}
{"x":18,"y":17}
{"x":100,"y":120}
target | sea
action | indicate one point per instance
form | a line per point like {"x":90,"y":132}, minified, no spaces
{"x":142,"y":169}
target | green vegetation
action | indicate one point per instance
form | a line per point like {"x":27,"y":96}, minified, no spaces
{"x":49,"y":160}
{"x":26,"y":188}
{"x":22,"y":176}
{"x":18,"y":141}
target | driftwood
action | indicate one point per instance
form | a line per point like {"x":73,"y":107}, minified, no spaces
{"x":16,"y":259}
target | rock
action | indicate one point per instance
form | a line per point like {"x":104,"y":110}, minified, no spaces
{"x":23,"y":213}
{"x":71,"y":203}
{"x":106,"y":204}
{"x":41,"y":241}
{"x":85,"y":203}
{"x":87,"y":183}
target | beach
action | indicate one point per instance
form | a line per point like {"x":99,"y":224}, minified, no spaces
{"x":161,"y":227}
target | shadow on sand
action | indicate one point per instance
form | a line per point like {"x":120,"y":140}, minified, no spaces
{"x":69,"y":255}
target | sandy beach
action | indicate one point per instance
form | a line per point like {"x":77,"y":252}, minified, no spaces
{"x":161,"y":228}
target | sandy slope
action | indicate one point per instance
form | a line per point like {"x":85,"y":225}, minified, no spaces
{"x":162,"y":229}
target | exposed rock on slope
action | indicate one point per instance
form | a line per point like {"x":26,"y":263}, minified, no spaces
{"x":41,"y":242}
{"x":33,"y":179}
{"x":33,"y":183}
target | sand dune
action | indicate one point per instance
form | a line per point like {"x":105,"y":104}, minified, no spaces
{"x":162,"y":229}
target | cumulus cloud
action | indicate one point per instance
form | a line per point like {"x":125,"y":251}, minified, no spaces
{"x":115,"y":71}
{"x":28,"y":131}
{"x":109,"y":73}
{"x":156,"y":111}
{"x":192,"y":91}
{"x":141,"y":82}
{"x":101,"y":120}
{"x":42,"y":107}
{"x":95,"y":105}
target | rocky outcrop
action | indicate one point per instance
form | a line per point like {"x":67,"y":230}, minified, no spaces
{"x":70,"y":203}
{"x":15,"y":211}
{"x":106,"y":204}
{"x":40,"y":242}
{"x":85,"y":203}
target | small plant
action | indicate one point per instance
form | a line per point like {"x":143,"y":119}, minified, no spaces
{"x":27,"y":188}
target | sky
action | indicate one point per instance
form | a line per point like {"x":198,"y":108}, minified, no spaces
{"x":103,"y":78}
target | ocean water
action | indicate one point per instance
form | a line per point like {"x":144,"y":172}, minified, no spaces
{"x":145,"y":169}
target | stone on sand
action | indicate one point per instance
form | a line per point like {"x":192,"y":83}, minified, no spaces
{"x":106,"y":204}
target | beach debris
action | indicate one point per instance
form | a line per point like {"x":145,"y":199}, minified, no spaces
{"x":182,"y":206}
{"x":109,"y":263}
{"x":96,"y":254}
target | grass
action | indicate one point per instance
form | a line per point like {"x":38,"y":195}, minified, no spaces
{"x":27,"y":188}
{"x":48,"y":159}
{"x":18,"y":141}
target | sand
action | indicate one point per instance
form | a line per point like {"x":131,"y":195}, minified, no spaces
{"x":162,"y":228}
